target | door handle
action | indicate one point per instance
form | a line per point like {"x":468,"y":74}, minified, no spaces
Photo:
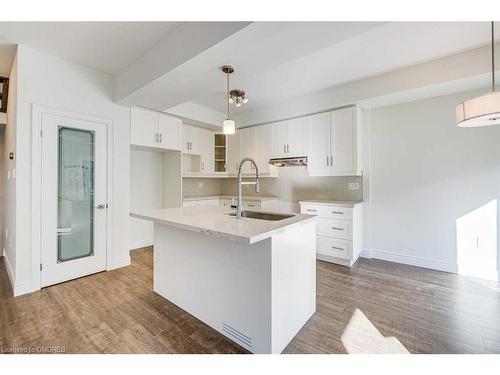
{"x":101,"y":206}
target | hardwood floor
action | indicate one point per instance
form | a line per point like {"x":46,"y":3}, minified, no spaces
{"x":117,"y":312}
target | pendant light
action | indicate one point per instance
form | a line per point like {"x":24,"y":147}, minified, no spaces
{"x":228,"y":126}
{"x":483,"y":110}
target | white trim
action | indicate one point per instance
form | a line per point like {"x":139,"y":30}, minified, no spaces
{"x":36,"y":145}
{"x":415,"y":261}
{"x":12,"y":278}
{"x":141,"y":243}
{"x":17,"y":288}
{"x":118,"y":262}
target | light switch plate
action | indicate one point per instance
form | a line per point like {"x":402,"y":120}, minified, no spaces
{"x":353,"y":186}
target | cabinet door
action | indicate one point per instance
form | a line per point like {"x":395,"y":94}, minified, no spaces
{"x":263,"y":147}
{"x":318,"y":153}
{"x":169,"y":129}
{"x":233,"y":152}
{"x":143,"y":127}
{"x":186,"y":149}
{"x":343,"y":141}
{"x":247,"y":141}
{"x":296,"y":137}
{"x":207,"y":151}
{"x":195,"y":139}
{"x":279,"y":139}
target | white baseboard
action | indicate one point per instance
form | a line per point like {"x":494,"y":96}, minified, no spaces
{"x":17,"y":288}
{"x":141,"y":243}
{"x":119,"y":262}
{"x":410,"y":260}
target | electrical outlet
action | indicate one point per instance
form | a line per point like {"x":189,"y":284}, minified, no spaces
{"x":200,"y":185}
{"x":353,"y":186}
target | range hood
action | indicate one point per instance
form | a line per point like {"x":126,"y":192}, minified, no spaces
{"x":300,"y":161}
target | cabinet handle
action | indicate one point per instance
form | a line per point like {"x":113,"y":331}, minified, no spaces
{"x":327,"y":161}
{"x":287,"y":148}
{"x":284,"y":148}
{"x":156,"y":137}
{"x":161,"y":138}
{"x":336,"y":228}
{"x":337,"y":248}
{"x":202,"y":165}
{"x":337,"y":212}
{"x":331,"y":161}
{"x":311,"y":210}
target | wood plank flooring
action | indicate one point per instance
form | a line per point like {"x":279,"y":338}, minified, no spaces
{"x":117,"y":312}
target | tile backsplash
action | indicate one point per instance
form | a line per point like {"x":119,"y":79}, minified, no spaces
{"x":194,"y":187}
{"x":293,"y":185}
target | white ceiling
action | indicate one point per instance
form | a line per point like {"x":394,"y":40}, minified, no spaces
{"x":349,"y":53}
{"x":106,"y":46}
{"x":276,"y":62}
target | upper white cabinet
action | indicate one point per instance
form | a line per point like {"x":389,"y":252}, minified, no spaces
{"x":207,"y":151}
{"x":233,"y":153}
{"x":169,"y":132}
{"x":191,"y":140}
{"x":247,"y":149}
{"x":263,"y":148}
{"x":333,"y":143}
{"x":153,"y":129}
{"x":289,"y":138}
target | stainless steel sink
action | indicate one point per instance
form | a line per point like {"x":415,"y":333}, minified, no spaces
{"x":262,"y":215}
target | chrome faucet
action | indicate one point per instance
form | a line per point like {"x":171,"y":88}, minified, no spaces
{"x":239,"y":205}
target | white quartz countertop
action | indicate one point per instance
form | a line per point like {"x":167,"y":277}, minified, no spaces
{"x":213,"y":221}
{"x":332,"y":203}
{"x":258,"y":198}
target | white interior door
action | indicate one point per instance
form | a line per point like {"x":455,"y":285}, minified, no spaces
{"x":73,"y":227}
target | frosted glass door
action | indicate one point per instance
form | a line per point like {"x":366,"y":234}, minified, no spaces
{"x":75,"y":200}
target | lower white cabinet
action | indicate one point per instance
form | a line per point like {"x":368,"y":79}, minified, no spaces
{"x":339,"y":230}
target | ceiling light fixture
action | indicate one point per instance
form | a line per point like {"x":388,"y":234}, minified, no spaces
{"x":238,"y":97}
{"x":483,"y":110}
{"x":228,"y":126}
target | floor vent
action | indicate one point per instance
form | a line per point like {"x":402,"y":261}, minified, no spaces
{"x":237,"y":336}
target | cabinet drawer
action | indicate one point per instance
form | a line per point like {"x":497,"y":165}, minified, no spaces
{"x":248,"y":205}
{"x":334,"y":212}
{"x":335,"y":228}
{"x":334,"y":247}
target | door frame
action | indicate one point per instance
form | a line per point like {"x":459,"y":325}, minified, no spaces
{"x":36,"y":183}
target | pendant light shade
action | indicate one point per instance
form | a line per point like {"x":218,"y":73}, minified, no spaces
{"x":483,"y":110}
{"x":228,"y":127}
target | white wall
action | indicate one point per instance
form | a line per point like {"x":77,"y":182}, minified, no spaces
{"x":9,"y":184}
{"x":424,"y":173}
{"x":50,"y":81}
{"x":146,"y":191}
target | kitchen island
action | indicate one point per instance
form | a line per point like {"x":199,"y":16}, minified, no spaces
{"x":252,"y":280}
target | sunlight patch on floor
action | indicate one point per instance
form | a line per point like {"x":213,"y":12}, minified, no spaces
{"x":362,"y":337}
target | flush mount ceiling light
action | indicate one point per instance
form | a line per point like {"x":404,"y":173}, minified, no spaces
{"x":483,"y":110}
{"x":228,"y":126}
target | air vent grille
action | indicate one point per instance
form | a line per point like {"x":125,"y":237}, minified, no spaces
{"x":237,"y":336}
